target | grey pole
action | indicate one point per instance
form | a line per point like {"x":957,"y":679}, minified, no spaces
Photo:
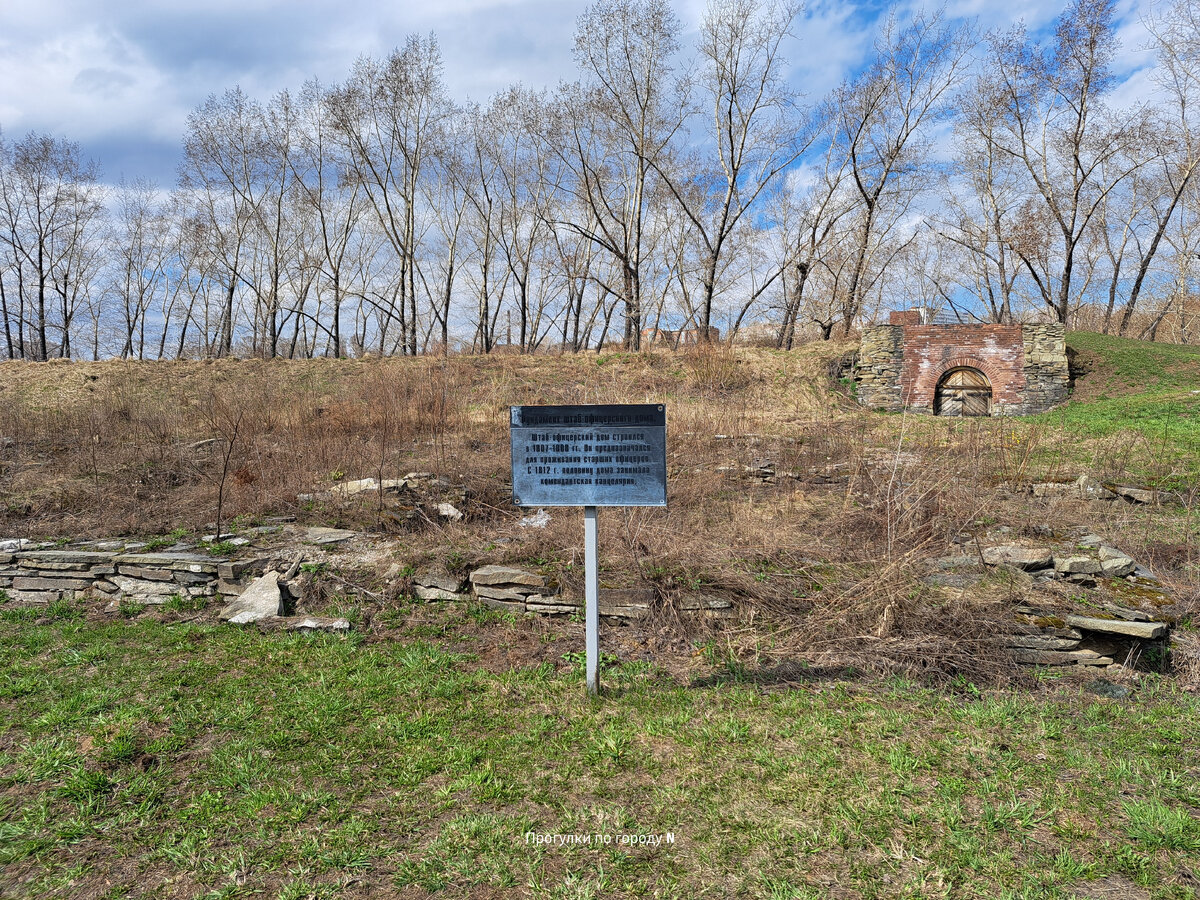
{"x":592,"y":599}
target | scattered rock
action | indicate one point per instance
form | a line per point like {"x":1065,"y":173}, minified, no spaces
{"x":261,"y":600}
{"x":449,"y":511}
{"x":323,"y":536}
{"x":1088,"y":488}
{"x":434,"y":593}
{"x":1076,"y":565}
{"x":368,"y":485}
{"x":491,"y":575}
{"x":1017,"y":556}
{"x":540,"y":519}
{"x":449,"y":583}
{"x":309,"y":624}
{"x":1135,"y":494}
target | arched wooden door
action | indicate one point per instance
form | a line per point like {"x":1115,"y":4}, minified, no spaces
{"x":963,"y":392}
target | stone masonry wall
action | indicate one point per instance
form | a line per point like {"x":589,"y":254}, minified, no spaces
{"x":1047,"y":379}
{"x":899,"y":365}
{"x":878,"y":368}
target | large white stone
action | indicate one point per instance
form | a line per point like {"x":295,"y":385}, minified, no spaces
{"x":260,"y":600}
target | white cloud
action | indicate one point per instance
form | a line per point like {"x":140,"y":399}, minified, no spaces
{"x":123,"y":76}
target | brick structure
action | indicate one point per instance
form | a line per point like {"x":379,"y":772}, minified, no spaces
{"x":961,"y":369}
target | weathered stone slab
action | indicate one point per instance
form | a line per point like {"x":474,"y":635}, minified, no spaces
{"x":325,"y":536}
{"x":434,"y":594}
{"x":1088,"y":488}
{"x":260,"y":600}
{"x":176,"y":562}
{"x":496,"y":593}
{"x":550,"y":609}
{"x":1044,"y":657}
{"x":1039,"y":642}
{"x":1053,"y":489}
{"x":1124,"y":612}
{"x":144,"y":591}
{"x":1117,"y":567}
{"x":1020,"y":557}
{"x":52,"y":584}
{"x":443,"y":582}
{"x":106,"y":587}
{"x":237,"y":568}
{"x":1045,"y":630}
{"x":81,"y":558}
{"x":507,"y":575}
{"x":308,"y":624}
{"x":704,"y":601}
{"x":624,"y":612}
{"x":147,"y":574}
{"x":1148,"y":631}
{"x":1076,"y":565}
{"x":41,"y":566}
{"x":34,"y":596}
{"x":1135,"y":494}
{"x":368,"y":485}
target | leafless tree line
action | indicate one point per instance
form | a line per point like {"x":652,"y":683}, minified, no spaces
{"x":664,"y":189}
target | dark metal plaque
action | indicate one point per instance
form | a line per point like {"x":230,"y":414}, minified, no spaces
{"x":612,"y":455}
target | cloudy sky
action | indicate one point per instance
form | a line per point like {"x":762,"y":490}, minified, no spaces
{"x":120,"y":76}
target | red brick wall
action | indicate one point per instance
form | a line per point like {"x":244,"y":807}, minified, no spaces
{"x":904,"y":317}
{"x":931,"y":350}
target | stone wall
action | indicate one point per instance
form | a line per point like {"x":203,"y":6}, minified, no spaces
{"x":899,"y":365}
{"x":878,"y":368}
{"x":1047,"y":379}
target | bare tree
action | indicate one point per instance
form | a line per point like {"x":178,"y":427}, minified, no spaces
{"x":882,"y":119}
{"x":388,"y":114}
{"x":750,"y":126}
{"x":51,"y":208}
{"x":1052,"y":121}
{"x":620,"y":125}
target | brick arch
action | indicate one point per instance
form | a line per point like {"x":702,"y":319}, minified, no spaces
{"x":970,"y":362}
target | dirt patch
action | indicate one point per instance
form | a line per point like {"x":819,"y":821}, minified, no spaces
{"x":1114,"y":887}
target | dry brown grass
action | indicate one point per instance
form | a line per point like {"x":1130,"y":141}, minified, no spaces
{"x":826,"y":561}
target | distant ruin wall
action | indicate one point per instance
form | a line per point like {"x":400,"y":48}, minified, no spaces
{"x":899,"y":365}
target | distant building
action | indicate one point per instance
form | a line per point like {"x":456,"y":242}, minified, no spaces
{"x":915,"y":363}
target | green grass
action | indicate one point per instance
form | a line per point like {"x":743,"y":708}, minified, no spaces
{"x":1141,"y":412}
{"x":143,"y":759}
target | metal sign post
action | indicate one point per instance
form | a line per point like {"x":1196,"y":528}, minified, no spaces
{"x":589,"y":456}
{"x":591,"y":576}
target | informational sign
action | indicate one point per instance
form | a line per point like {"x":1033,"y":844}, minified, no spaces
{"x":608,"y":455}
{"x":589,"y":456}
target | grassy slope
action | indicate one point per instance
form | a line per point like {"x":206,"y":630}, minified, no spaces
{"x":149,"y":760}
{"x":1134,"y":388}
